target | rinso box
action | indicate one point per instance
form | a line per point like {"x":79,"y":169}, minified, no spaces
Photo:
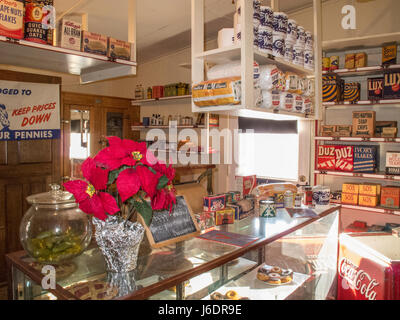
{"x":332,"y":88}
{"x":365,"y":158}
{"x":351,"y":92}
{"x":391,"y":85}
{"x":393,"y":163}
{"x":344,"y":158}
{"x":364,"y":123}
{"x":326,"y":158}
{"x":12,"y":19}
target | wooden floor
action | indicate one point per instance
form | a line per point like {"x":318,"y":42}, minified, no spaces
{"x":3,"y":293}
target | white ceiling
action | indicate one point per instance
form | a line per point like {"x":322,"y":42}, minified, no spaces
{"x":162,"y":25}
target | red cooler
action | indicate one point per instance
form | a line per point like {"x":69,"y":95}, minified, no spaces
{"x":369,"y":267}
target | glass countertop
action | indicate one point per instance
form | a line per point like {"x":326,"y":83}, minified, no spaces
{"x":156,"y":267}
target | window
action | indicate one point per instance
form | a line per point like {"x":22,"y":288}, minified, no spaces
{"x":272,"y":151}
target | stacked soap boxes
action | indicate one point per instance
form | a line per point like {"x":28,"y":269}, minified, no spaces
{"x":369,"y":195}
{"x":350,"y":192}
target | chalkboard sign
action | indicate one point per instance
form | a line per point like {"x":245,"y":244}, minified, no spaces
{"x":167,"y":228}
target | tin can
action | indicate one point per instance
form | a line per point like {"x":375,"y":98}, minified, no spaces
{"x":308,"y":196}
{"x":267,"y":209}
{"x":297,"y":200}
{"x":334,"y":63}
{"x":326,"y":64}
{"x":288,"y":199}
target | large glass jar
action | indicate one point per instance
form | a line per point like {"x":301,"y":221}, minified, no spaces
{"x":54,"y":229}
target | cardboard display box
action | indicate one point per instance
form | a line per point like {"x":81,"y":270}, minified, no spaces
{"x":390,"y":197}
{"x":365,"y":158}
{"x":364,"y":123}
{"x":326,"y":158}
{"x":391,"y":85}
{"x":393,"y":163}
{"x":344,"y":160}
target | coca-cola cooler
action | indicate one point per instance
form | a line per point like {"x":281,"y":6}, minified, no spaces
{"x":369,"y":267}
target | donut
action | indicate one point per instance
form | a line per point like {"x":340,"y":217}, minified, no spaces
{"x":287,"y":273}
{"x":286,"y":279}
{"x":217,"y":296}
{"x":232,"y":295}
{"x":276,"y":270}
{"x":274,"y":278}
{"x":264,"y":269}
{"x":262,"y":276}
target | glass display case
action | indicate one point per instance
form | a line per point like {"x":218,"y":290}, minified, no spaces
{"x":196,"y":268}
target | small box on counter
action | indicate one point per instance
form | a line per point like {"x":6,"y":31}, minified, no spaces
{"x":326,"y":158}
{"x":118,"y":49}
{"x":365,"y":158}
{"x":332,"y":88}
{"x":226,"y":216}
{"x":375,"y":88}
{"x":361,"y":60}
{"x":393,"y":163}
{"x":351,"y":92}
{"x":367,"y":201}
{"x":344,"y":130}
{"x":391,"y":84}
{"x":364,"y":123}
{"x":245,"y":184}
{"x":390,"y":197}
{"x":357,"y":226}
{"x":94,"y":43}
{"x":243,"y":209}
{"x":205,"y":220}
{"x":70,"y":34}
{"x":344,"y":158}
{"x":389,"y":132}
{"x":214,"y":203}
{"x":380,"y":125}
{"x":328,"y":131}
{"x":349,"y":198}
{"x":389,"y":53}
{"x":12,"y":19}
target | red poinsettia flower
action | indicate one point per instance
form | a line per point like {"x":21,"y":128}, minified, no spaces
{"x":124,"y":152}
{"x":87,"y":194}
{"x":163,"y":169}
{"x":164,"y":199}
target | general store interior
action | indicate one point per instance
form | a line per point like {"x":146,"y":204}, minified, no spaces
{"x":168,"y":40}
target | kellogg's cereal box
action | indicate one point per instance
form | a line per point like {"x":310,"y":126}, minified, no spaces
{"x":344,"y":158}
{"x":326,"y":158}
{"x":12,"y":19}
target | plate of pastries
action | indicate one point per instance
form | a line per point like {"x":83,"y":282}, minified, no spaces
{"x":274,"y":275}
{"x":229,"y":295}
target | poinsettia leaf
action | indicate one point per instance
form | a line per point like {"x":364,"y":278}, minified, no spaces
{"x":162,"y":183}
{"x":144,"y":210}
{"x":113,"y":175}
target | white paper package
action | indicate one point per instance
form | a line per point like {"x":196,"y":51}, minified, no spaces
{"x":230,"y":69}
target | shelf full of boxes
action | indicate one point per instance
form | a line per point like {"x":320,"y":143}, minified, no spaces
{"x":357,"y":146}
{"x":250,"y":73}
{"x":67,"y":48}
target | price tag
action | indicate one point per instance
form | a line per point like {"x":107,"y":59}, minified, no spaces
{"x":390,"y":139}
{"x":358,"y":175}
{"x":388,"y":211}
{"x":388,"y":177}
{"x":366,"y":139}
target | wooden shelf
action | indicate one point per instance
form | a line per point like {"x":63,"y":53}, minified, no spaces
{"x":167,"y":127}
{"x":365,"y":71}
{"x":233,"y":53}
{"x":356,"y":139}
{"x":358,"y":43}
{"x":375,"y":176}
{"x":372,"y":209}
{"x":137,"y":102}
{"x":380,"y":103}
{"x":90,"y":67}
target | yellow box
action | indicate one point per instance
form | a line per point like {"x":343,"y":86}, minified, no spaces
{"x":369,"y":189}
{"x":226,"y":216}
{"x":351,"y":188}
{"x":368,"y":201}
{"x":350,"y":198}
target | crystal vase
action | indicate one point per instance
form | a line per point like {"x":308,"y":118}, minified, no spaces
{"x":119,"y":242}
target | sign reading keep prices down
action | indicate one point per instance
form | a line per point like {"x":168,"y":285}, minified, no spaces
{"x":29,"y":111}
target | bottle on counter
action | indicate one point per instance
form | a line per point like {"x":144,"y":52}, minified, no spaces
{"x":149,"y":93}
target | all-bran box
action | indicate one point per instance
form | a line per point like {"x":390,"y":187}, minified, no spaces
{"x":94,"y":43}
{"x":12,"y":19}
{"x":69,"y":34}
{"x":391,"y":85}
{"x":365,"y":158}
{"x":375,"y":88}
{"x":344,"y":158}
{"x":214,"y":203}
{"x":326,"y":158}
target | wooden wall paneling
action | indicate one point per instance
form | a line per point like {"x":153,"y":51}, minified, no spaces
{"x":3,"y":152}
{"x":14,"y":213}
{"x":34,"y":151}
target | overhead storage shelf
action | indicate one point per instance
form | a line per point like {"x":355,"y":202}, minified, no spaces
{"x":375,"y":176}
{"x":365,"y":71}
{"x":90,"y":67}
{"x":357,"y":139}
{"x":137,"y":102}
{"x":364,"y":103}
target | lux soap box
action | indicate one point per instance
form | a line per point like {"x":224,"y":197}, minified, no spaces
{"x":214,"y":203}
{"x":12,"y":19}
{"x":94,"y":43}
{"x":118,"y":49}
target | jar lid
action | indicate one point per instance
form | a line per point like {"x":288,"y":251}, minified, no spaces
{"x":55,"y":196}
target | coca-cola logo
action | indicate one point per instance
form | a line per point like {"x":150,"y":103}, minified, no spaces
{"x":357,"y":279}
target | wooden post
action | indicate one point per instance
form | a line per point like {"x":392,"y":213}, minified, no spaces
{"x":317,"y":9}
{"x":132,"y":28}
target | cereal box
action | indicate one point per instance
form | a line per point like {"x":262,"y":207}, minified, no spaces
{"x":12,"y":19}
{"x":393,"y":163}
{"x":118,"y":49}
{"x":332,"y":88}
{"x":365,"y":158}
{"x":349,"y":198}
{"x":94,"y":43}
{"x":351,"y":188}
{"x":368,"y":201}
{"x":344,"y":158}
{"x":69,"y":34}
{"x":326,"y":158}
{"x":245,"y":184}
{"x":389,"y":53}
{"x":391,"y":85}
{"x":390,"y":197}
{"x":214,"y":203}
{"x":375,"y":88}
{"x":351,"y":92}
{"x":364,"y":123}
{"x":226,"y":216}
